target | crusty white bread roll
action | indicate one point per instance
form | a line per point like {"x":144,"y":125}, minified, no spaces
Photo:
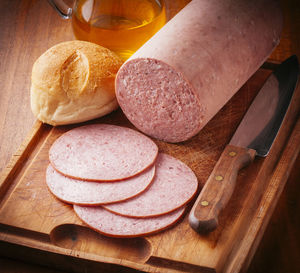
{"x":74,"y":82}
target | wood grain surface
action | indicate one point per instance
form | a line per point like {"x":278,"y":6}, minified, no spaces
{"x":32,"y":217}
{"x":29,"y":27}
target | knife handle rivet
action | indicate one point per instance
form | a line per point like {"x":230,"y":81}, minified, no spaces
{"x":219,"y":177}
{"x":204,"y":203}
{"x":232,"y":154}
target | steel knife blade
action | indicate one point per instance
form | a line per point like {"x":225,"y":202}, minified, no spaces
{"x":254,"y":136}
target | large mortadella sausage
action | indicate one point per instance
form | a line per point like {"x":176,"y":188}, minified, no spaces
{"x":176,"y":82}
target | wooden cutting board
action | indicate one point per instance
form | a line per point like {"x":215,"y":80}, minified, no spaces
{"x":35,"y":226}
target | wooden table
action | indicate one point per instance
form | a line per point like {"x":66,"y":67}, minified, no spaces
{"x":30,"y":27}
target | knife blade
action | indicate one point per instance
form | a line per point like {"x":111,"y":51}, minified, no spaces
{"x":254,"y":136}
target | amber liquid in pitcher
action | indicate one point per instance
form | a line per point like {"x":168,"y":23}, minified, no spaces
{"x":120,"y":25}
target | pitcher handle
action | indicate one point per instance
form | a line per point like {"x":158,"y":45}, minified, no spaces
{"x":62,"y":8}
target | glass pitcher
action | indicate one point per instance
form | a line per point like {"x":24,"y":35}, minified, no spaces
{"x":120,"y":25}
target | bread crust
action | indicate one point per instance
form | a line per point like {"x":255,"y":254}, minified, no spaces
{"x":73,"y":82}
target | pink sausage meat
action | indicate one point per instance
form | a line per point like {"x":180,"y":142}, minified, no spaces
{"x":102,"y":152}
{"x":94,"y":193}
{"x":173,"y":186}
{"x":115,"y":225}
{"x":176,"y":82}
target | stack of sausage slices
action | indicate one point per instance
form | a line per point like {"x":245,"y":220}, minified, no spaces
{"x":118,"y":182}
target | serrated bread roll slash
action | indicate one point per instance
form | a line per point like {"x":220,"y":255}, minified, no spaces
{"x":74,"y":82}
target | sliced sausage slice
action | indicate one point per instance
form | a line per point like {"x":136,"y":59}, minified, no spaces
{"x":178,"y":80}
{"x":111,"y":224}
{"x":102,"y":152}
{"x":94,"y":193}
{"x":173,"y":186}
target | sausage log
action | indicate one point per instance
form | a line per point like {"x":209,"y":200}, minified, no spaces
{"x":176,"y":82}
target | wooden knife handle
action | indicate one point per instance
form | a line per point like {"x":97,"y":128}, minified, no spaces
{"x":218,"y":188}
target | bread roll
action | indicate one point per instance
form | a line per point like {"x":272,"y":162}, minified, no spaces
{"x":74,"y":82}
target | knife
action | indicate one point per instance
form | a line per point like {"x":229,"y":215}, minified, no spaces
{"x":254,"y":136}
